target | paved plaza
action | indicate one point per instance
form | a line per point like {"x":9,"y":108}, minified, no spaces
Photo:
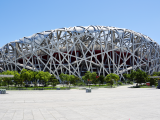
{"x":120,"y":103}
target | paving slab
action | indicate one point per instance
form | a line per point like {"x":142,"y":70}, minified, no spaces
{"x":121,"y":103}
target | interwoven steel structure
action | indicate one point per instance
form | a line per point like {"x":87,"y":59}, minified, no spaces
{"x":76,"y":50}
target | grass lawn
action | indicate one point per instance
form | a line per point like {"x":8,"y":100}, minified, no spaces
{"x":143,"y":86}
{"x":66,"y":87}
{"x":33,"y":88}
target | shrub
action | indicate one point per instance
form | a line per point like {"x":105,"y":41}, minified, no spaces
{"x":27,"y":85}
{"x":4,"y":84}
{"x":131,"y":83}
{"x":153,"y":81}
{"x":81,"y":84}
{"x":136,"y":86}
{"x":46,"y":85}
{"x":120,"y":83}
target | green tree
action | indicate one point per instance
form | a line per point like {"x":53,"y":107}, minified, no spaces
{"x":127,"y":77}
{"x":39,"y":76}
{"x":140,"y":76}
{"x":16,"y":78}
{"x":72,"y":79}
{"x":93,"y":78}
{"x":1,"y":81}
{"x":86,"y":77}
{"x":53,"y":80}
{"x":153,"y":81}
{"x":75,"y":81}
{"x":133,"y":75}
{"x":68,"y":79}
{"x":33,"y":77}
{"x":7,"y":79}
{"x":63,"y":78}
{"x":43,"y":77}
{"x":156,"y":74}
{"x":101,"y":79}
{"x":25,"y":75}
{"x":110,"y":78}
{"x":46,"y":78}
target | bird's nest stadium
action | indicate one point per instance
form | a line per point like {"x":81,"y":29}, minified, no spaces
{"x":75,"y":50}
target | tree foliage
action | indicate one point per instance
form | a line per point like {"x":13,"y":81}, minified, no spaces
{"x":93,"y":78}
{"x":63,"y":78}
{"x":111,"y":78}
{"x":133,"y":75}
{"x":53,"y":80}
{"x":17,"y":79}
{"x":140,"y":76}
{"x":75,"y":81}
{"x":127,"y":76}
{"x":43,"y":77}
{"x":101,"y":79}
{"x":7,"y":80}
{"x":25,"y":75}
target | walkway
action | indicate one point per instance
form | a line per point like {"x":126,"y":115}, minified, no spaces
{"x":120,"y":103}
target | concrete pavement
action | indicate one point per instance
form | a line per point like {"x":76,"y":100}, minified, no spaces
{"x":120,"y":103}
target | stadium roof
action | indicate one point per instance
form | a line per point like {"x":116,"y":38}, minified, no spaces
{"x":38,"y":37}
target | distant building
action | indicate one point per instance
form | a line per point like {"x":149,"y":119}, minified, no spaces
{"x":76,"y":50}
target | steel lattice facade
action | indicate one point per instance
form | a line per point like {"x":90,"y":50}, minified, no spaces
{"x":76,"y":50}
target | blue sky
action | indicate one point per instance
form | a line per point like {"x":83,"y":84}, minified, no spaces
{"x":20,"y":18}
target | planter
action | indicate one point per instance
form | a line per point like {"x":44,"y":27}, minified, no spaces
{"x":88,"y":90}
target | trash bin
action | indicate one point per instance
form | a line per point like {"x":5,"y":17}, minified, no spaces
{"x":58,"y":88}
{"x":0,"y":91}
{"x":88,"y":90}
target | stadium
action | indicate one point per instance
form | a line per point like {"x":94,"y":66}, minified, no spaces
{"x":75,"y":50}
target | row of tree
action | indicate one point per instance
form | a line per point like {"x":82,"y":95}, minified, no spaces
{"x":140,"y":77}
{"x":69,"y":79}
{"x":25,"y":77}
{"x":28,"y":76}
{"x":45,"y":78}
{"x":94,"y":79}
